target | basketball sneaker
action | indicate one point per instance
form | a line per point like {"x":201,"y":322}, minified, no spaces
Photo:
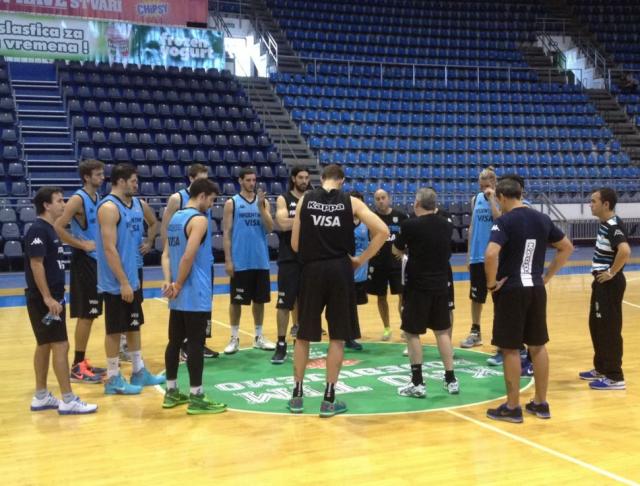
{"x":210,"y":353}
{"x":453,"y":387}
{"x":76,"y":407}
{"x":144,"y":378}
{"x":329,"y":409}
{"x":81,"y":373}
{"x":353,"y":344}
{"x":540,"y":410}
{"x":173,"y":398}
{"x":295,"y":405}
{"x":607,"y":384}
{"x":506,"y":414}
{"x":117,"y":385}
{"x":261,"y":342}
{"x":233,"y":346}
{"x":96,"y":370}
{"x":200,"y":405}
{"x":206,"y":352}
{"x":280,"y":356}
{"x":413,"y":391}
{"x":47,"y":403}
{"x":473,"y":339}
{"x":386,"y":334}
{"x":590,"y":375}
{"x":495,"y":360}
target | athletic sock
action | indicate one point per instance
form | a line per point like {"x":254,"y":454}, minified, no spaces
{"x":330,"y":392}
{"x":416,"y":374}
{"x":282,"y":340}
{"x":112,"y":367}
{"x":297,"y":390}
{"x":172,"y":384}
{"x":258,"y":330}
{"x":234,"y":331}
{"x":78,"y":357}
{"x":68,"y":397}
{"x":42,"y":394}
{"x":136,"y":361}
{"x":475,"y":328}
{"x":449,"y":376}
{"x":196,"y":390}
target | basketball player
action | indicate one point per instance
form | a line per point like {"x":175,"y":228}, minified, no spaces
{"x":44,"y":273}
{"x":116,"y":248}
{"x":426,"y":240}
{"x":514,"y":266}
{"x":86,"y":304}
{"x":384,"y":269}
{"x":611,"y":254}
{"x":322,"y":235}
{"x":179,"y":201}
{"x":485,"y":210}
{"x":186,"y":265}
{"x":246,"y":223}
{"x":361,"y":237}
{"x":289,"y":267}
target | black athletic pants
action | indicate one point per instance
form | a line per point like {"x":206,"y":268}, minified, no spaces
{"x":605,"y":324}
{"x":192,"y":326}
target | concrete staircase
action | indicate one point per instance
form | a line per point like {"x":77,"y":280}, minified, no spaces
{"x":542,"y":64}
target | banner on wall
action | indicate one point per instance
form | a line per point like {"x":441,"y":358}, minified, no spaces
{"x":40,"y":37}
{"x":165,"y":12}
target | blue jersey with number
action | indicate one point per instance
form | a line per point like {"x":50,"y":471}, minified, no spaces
{"x":126,"y":245}
{"x":195,"y":295}
{"x":137,"y":214}
{"x":88,"y":231}
{"x":249,"y":249}
{"x":361,"y":235}
{"x":481,"y":231}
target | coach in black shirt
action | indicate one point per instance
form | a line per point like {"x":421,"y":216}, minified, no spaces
{"x":514,"y":266}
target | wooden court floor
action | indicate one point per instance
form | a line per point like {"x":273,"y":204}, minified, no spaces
{"x":593,"y":437}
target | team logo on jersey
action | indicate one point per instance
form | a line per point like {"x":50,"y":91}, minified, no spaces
{"x":93,"y":311}
{"x":394,"y":219}
{"x":495,"y":228}
{"x":618,"y":233}
{"x":36,"y":241}
{"x":327,"y":221}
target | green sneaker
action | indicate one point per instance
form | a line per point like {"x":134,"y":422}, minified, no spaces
{"x":328,"y":409}
{"x":173,"y":398}
{"x":200,"y":404}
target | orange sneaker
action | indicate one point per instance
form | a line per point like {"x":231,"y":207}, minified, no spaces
{"x":81,"y":373}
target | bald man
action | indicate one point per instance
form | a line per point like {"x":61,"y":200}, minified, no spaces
{"x":385,"y":270}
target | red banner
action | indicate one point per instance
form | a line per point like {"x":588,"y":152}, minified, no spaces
{"x":165,"y":12}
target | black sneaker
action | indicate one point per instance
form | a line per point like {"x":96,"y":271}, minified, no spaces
{"x":280,"y":354}
{"x":353,"y":344}
{"x":210,"y":353}
{"x":540,"y":410}
{"x":506,"y":414}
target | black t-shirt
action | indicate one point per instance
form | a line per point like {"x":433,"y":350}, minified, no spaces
{"x":384,"y":258}
{"x":285,"y":253}
{"x":43,"y":241}
{"x":428,"y":241}
{"x":610,"y":234}
{"x":326,"y":225}
{"x":523,"y":234}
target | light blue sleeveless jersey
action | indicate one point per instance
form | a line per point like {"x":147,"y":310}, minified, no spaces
{"x":88,"y":232}
{"x":361,"y":234}
{"x":482,"y":223}
{"x":249,"y":249}
{"x":137,"y":222}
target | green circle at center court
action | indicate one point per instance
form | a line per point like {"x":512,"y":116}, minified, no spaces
{"x":247,"y":381}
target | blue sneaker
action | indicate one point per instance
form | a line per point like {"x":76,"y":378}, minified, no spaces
{"x":540,"y":410}
{"x":590,"y":375}
{"x":526,"y":368}
{"x":607,"y":384}
{"x":144,"y":378}
{"x":117,"y":385}
{"x":506,"y":414}
{"x":353,"y":344}
{"x":296,"y":405}
{"x":496,"y":359}
{"x":328,"y":409}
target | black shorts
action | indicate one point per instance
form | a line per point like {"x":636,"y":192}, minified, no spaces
{"x":423,"y":309}
{"x":451,"y":289}
{"x":250,"y":286}
{"x":328,"y":284}
{"x":188,"y":325}
{"x":120,"y":316}
{"x":381,"y":277}
{"x":361,"y":293}
{"x":85,"y":302}
{"x":520,"y":316}
{"x":478,"y":283}
{"x":288,"y":284}
{"x":56,"y":331}
{"x":141,"y":278}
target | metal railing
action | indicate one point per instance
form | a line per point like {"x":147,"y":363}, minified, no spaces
{"x":241,"y":8}
{"x":551,"y":47}
{"x":266,"y":39}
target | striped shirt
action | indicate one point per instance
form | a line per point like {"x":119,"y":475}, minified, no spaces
{"x":610,"y":234}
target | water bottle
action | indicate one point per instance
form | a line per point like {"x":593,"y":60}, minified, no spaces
{"x":50,"y":319}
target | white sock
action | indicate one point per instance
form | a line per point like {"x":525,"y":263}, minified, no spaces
{"x":112,"y":367}
{"x":172,"y":384}
{"x":196,"y":390}
{"x":258,"y":330}
{"x":136,"y":360}
{"x":234,"y":331}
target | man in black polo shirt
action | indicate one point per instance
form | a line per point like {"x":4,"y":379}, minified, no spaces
{"x":44,"y":274}
{"x":426,"y":240}
{"x":607,"y":290}
{"x":514,"y":266}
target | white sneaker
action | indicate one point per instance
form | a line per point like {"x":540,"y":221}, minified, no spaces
{"x":76,"y":407}
{"x":261,"y":342}
{"x":233,"y":346}
{"x":413,"y":391}
{"x":452,"y":387}
{"x":47,"y":403}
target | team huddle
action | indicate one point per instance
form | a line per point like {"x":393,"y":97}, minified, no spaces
{"x":333,"y":251}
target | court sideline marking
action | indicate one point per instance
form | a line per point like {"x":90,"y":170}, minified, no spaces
{"x":559,"y":455}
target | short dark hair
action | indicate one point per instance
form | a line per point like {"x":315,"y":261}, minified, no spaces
{"x":122,"y":171}
{"x":45,"y":196}
{"x":607,"y":194}
{"x":333,"y":172}
{"x":87,"y":166}
{"x":196,"y":169}
{"x":205,"y":186}
{"x":516,"y":177}
{"x":245,"y":171}
{"x":509,"y":188}
{"x":357,"y":195}
{"x":294,"y":172}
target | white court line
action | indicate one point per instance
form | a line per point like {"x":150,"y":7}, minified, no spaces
{"x":632,"y":305}
{"x":559,"y":455}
